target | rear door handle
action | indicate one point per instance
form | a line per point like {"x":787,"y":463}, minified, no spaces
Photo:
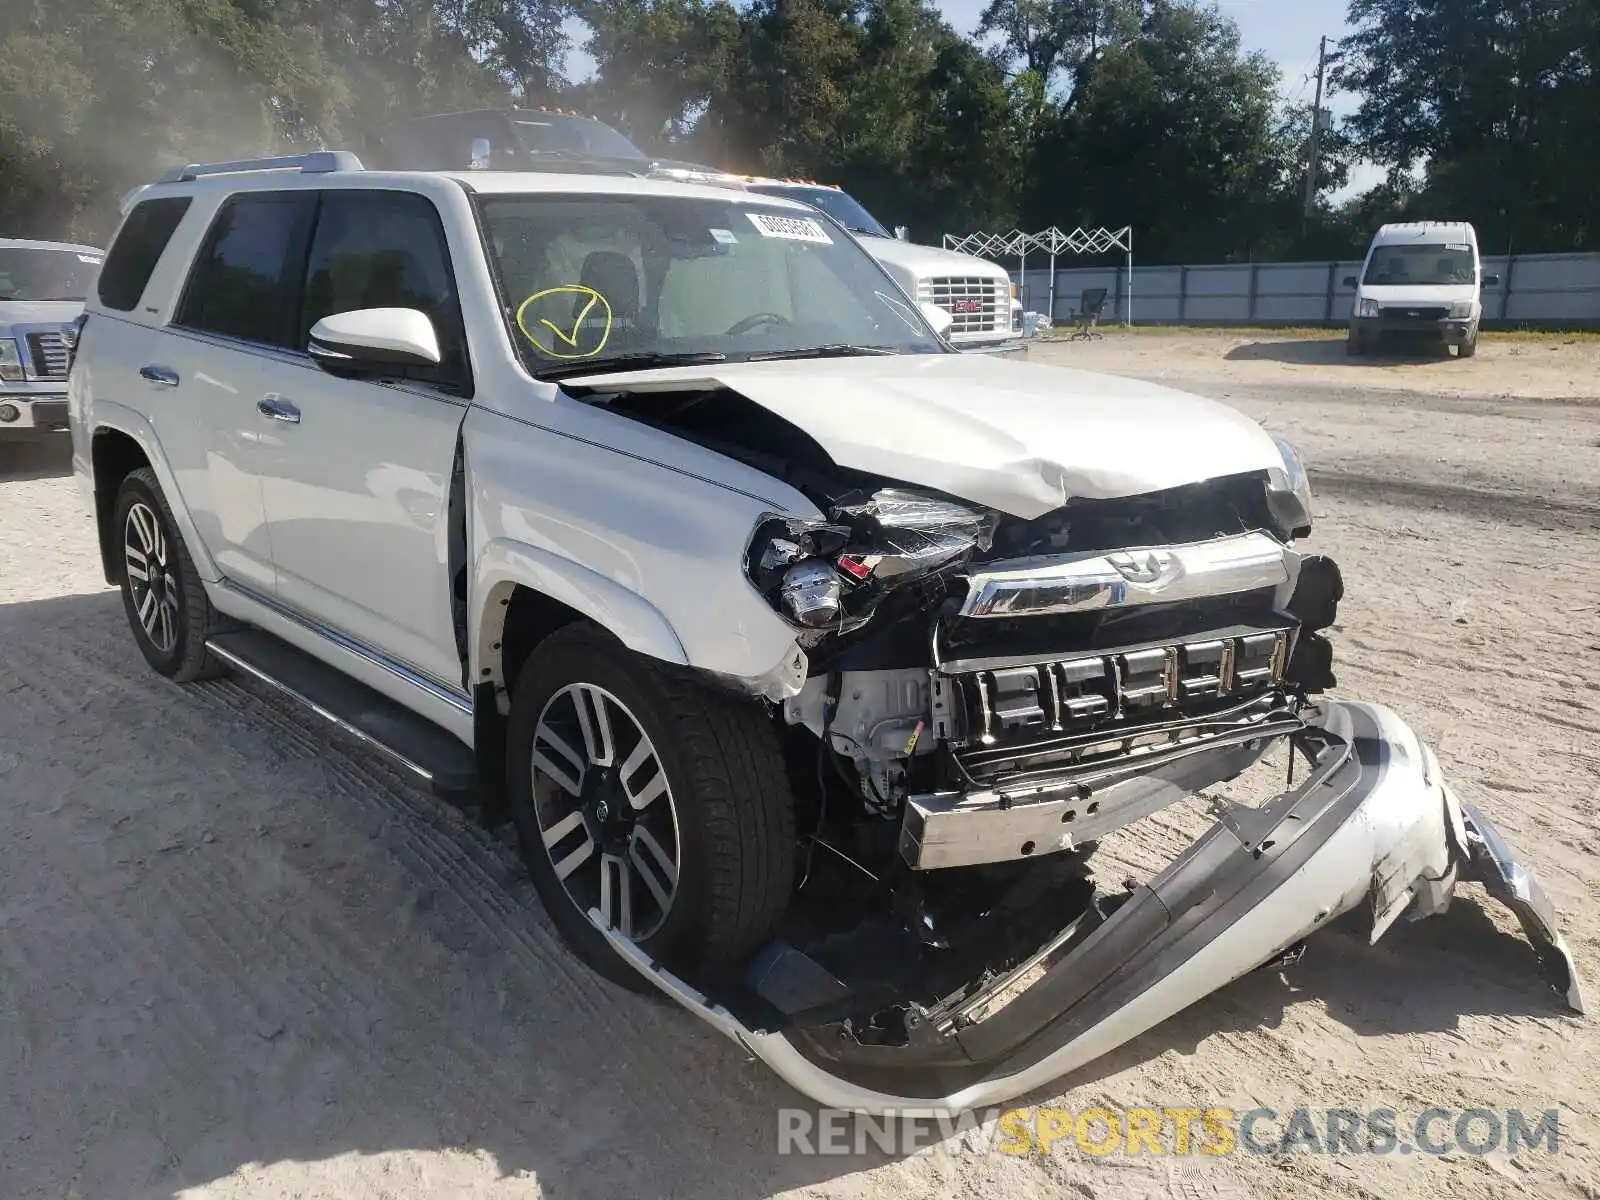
{"x":156,"y":373}
{"x":276,"y":407}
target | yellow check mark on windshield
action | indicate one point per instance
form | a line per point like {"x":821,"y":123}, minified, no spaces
{"x":561,"y":344}
{"x":571,"y":339}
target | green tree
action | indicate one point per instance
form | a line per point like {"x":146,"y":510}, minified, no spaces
{"x":1175,"y":132}
{"x":658,"y":63}
{"x":1047,"y":36}
{"x":1496,"y":101}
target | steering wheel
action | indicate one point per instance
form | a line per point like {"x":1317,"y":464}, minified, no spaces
{"x":755,"y":321}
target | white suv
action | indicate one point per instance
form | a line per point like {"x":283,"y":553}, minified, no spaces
{"x":807,"y":656}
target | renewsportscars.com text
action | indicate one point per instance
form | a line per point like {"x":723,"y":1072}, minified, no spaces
{"x":1212,"y":1132}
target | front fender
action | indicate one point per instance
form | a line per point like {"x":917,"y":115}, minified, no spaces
{"x":635,"y":622}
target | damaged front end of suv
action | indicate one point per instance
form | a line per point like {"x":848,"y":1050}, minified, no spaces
{"x":986,"y":688}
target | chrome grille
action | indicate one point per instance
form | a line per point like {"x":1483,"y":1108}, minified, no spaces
{"x":51,"y":354}
{"x":1018,"y":704}
{"x":976,"y":303}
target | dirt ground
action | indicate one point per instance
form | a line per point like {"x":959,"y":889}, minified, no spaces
{"x":238,"y":957}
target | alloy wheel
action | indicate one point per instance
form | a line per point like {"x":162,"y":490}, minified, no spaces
{"x":152,"y":579}
{"x":605,"y":810}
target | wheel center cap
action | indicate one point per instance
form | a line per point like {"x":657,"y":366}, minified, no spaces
{"x":603,"y":811}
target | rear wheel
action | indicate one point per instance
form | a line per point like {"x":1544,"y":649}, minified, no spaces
{"x":1355,"y":344}
{"x":648,"y":803}
{"x":161,"y":590}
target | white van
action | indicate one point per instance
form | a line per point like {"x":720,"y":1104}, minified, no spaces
{"x":1420,"y":279}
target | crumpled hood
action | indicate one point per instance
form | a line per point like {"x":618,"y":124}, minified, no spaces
{"x":1018,"y":437}
{"x":37,"y":312}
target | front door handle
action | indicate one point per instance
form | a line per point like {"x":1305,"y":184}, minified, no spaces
{"x":156,"y":373}
{"x":276,"y":407}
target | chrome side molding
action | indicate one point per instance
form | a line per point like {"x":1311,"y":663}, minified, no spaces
{"x":1098,"y":580}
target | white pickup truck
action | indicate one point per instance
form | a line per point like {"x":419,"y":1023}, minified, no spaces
{"x":986,"y":314}
{"x":808,"y":658}
{"x":42,"y":289}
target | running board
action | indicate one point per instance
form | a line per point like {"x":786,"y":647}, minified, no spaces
{"x":433,"y":755}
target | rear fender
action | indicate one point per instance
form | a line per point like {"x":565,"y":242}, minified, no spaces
{"x":110,"y":415}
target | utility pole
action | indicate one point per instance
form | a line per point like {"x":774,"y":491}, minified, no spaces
{"x":1323,"y":61}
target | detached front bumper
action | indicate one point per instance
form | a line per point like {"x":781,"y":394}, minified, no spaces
{"x":1373,"y":823}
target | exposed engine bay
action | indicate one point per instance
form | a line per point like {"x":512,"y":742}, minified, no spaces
{"x":986,"y":696}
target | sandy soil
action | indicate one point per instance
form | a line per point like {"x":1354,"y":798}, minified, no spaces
{"x":1552,"y":367}
{"x":238,"y":957}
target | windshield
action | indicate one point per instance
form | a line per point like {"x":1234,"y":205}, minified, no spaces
{"x":1424,"y":266}
{"x":40,"y":274}
{"x":547,"y":133}
{"x":841,"y":206}
{"x":633,"y":281}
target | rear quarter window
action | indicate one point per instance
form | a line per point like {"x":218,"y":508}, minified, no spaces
{"x":139,"y":246}
{"x":241,"y":285}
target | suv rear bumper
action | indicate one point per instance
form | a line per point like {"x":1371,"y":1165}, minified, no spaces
{"x":1373,"y":823}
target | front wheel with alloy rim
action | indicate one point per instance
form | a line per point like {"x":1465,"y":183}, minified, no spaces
{"x":161,"y":591}
{"x":647,"y":803}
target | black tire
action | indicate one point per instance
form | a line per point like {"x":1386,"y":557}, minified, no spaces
{"x":1356,"y":344}
{"x":175,"y":644}
{"x":1468,"y":348}
{"x":732,"y":810}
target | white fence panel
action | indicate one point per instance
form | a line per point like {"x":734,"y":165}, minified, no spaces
{"x":1549,"y":289}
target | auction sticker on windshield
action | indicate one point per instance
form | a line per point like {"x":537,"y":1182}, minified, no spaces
{"x":793,"y":229}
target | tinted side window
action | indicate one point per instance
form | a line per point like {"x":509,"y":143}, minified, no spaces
{"x":239,"y":286}
{"x":139,"y":246}
{"x":385,"y":250}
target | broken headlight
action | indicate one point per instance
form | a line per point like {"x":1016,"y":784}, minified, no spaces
{"x":1289,"y":494}
{"x":831,"y":575}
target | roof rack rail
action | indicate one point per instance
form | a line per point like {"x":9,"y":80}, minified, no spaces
{"x":318,"y":162}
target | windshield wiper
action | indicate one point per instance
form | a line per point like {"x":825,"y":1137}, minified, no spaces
{"x":832,"y":350}
{"x":644,"y":361}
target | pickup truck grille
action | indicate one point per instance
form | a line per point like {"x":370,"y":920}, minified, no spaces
{"x":51,"y":355}
{"x":977,"y":303}
{"x":1020,"y":706}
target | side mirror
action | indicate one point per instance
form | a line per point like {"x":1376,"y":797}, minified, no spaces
{"x":902,"y":234}
{"x":937,"y":318}
{"x":478,"y":157}
{"x":1350,"y":281}
{"x":374,"y":341}
{"x":1491,"y":281}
